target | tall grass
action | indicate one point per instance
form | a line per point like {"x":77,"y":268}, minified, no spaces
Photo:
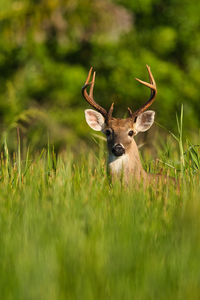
{"x":67,"y":233}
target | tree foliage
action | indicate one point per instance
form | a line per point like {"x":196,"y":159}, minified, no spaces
{"x":47,"y":47}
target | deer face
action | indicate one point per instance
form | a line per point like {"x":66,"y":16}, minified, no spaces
{"x":119,"y":132}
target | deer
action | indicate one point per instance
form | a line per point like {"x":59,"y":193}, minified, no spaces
{"x":123,"y":154}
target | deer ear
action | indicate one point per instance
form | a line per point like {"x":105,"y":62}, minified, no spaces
{"x":94,"y":119}
{"x":144,"y":121}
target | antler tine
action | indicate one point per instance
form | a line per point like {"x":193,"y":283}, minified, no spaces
{"x":152,"y":83}
{"x":151,"y":79}
{"x":89,"y":98}
{"x":92,"y":85}
{"x":89,"y":75}
{"x":130,"y":112}
{"x":152,"y":86}
{"x":109,"y":116}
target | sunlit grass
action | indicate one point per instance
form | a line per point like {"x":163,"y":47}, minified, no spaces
{"x":67,"y":233}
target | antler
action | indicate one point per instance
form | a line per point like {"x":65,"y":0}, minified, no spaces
{"x":89,"y":98}
{"x":108,"y":115}
{"x":152,"y":86}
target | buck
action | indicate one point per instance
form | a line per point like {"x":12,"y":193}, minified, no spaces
{"x":123,"y":154}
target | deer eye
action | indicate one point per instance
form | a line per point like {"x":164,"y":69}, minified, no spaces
{"x":130,"y":133}
{"x":107,"y":132}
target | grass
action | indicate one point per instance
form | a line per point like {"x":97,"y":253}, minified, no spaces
{"x":66,"y":233}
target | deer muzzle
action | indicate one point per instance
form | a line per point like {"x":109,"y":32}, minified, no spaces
{"x":118,"y":150}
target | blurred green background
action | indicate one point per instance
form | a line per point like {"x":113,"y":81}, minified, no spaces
{"x":47,"y":48}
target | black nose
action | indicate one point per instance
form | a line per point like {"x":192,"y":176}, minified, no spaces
{"x":118,"y":150}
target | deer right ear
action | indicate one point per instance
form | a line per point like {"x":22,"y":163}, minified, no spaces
{"x":94,"y":119}
{"x":144,"y":121}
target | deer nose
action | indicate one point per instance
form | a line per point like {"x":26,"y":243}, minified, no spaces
{"x":118,"y":150}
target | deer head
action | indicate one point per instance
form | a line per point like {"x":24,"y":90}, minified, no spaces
{"x":119,"y":132}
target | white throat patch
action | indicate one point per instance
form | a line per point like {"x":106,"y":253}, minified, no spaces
{"x":117,"y":163}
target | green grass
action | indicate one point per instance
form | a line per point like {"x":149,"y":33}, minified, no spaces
{"x":66,"y":233}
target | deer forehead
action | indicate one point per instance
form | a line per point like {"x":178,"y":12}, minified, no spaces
{"x":120,"y":124}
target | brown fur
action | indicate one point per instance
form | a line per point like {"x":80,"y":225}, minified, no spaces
{"x":128,"y":166}
{"x":131,"y":167}
{"x":119,"y":132}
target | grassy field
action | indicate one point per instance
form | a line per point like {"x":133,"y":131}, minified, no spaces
{"x":67,"y":233}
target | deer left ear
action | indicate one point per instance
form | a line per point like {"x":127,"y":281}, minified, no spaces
{"x":144,"y":121}
{"x":94,"y":119}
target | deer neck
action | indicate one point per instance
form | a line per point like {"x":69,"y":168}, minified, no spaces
{"x":128,"y":165}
